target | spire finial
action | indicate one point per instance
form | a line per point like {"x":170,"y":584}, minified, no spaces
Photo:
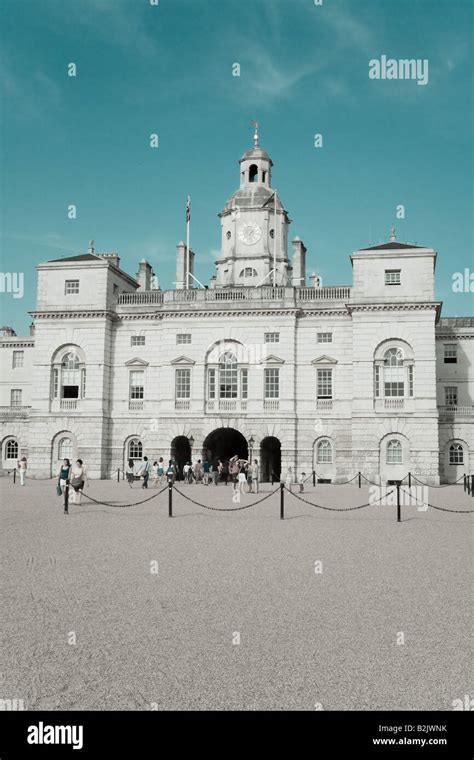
{"x":91,"y":247}
{"x":255,"y":125}
{"x":393,"y":237}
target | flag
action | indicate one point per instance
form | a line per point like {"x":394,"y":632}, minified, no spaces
{"x":188,"y":210}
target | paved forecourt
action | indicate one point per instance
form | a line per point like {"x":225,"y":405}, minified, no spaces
{"x":124,"y":608}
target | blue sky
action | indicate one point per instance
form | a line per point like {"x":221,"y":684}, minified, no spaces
{"x":167,"y":69}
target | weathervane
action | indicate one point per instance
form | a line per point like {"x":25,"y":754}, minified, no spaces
{"x":255,"y":124}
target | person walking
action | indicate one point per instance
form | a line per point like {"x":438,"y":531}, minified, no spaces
{"x":171,"y":472}
{"x":63,"y":480}
{"x":130,"y":473}
{"x":78,"y":477}
{"x":215,"y":473}
{"x":242,"y":477}
{"x":289,"y":478}
{"x":145,"y":472}
{"x":161,"y":470}
{"x":21,"y":466}
{"x":154,"y":473}
{"x":197,"y":471}
{"x":206,"y":468}
{"x":255,"y":475}
{"x":186,"y":469}
{"x":301,"y":481}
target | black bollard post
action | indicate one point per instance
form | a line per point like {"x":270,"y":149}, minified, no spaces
{"x":399,"y":516}
{"x":170,"y":498}
{"x":472,"y":485}
{"x":282,"y":501}
{"x":314,"y":478}
{"x":14,"y":475}
{"x":464,"y":482}
{"x":118,"y":475}
{"x":66,"y":499}
{"x":360,"y":480}
{"x":409,"y":480}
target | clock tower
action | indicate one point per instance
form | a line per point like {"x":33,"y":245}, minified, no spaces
{"x":254,"y":227}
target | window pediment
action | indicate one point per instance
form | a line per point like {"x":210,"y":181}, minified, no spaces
{"x":272,"y":359}
{"x":323,"y":360}
{"x":136,"y":362}
{"x":182,"y":361}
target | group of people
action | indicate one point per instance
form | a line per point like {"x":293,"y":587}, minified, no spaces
{"x":73,"y":477}
{"x":239,"y":472}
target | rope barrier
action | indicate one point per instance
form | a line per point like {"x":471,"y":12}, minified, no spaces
{"x":222,"y":509}
{"x":441,"y":509}
{"x":121,"y":506}
{"x":334,"y":509}
{"x":344,"y":482}
{"x":447,"y":485}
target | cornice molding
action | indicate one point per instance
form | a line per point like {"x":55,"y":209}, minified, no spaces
{"x":18,"y":344}
{"x":102,"y":313}
{"x":451,"y":336}
{"x":423,"y":306}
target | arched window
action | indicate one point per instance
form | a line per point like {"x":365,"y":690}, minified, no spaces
{"x":135,"y":449}
{"x":324,"y":452}
{"x":65,"y":449}
{"x":248,"y":272}
{"x":394,"y":452}
{"x":393,"y":373}
{"x":253,"y":173}
{"x":228,"y":375}
{"x":11,"y":449}
{"x":68,"y":379}
{"x":456,"y":454}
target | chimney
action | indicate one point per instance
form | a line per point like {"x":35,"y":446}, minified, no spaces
{"x":32,"y":329}
{"x":298,"y":263}
{"x":113,"y":257}
{"x":144,"y":275}
{"x":315,"y":280}
{"x":181,"y":266}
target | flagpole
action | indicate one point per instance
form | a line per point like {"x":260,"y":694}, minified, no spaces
{"x":188,"y":219}
{"x":275,"y":244}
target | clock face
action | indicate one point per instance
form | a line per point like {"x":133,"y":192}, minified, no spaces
{"x":249,"y":233}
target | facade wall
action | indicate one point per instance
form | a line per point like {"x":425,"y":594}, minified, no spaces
{"x":356,"y":422}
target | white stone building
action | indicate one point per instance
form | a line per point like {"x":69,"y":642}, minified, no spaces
{"x":338,"y":379}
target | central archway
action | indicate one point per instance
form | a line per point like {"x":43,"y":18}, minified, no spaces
{"x":224,"y":443}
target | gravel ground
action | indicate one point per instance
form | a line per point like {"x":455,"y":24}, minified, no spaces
{"x":165,"y":640}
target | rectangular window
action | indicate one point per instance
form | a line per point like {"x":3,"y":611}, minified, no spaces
{"x":450,"y":353}
{"x":71,"y":287}
{"x":451,"y":395}
{"x":410,"y":380}
{"x":183,"y":338}
{"x":212,"y":383}
{"x":137,"y":340}
{"x":137,"y":389}
{"x":272,"y":337}
{"x":272,"y":383}
{"x":377,"y":381}
{"x":18,"y":359}
{"x":324,"y":337}
{"x":15,"y":397}
{"x":244,"y":382}
{"x":183,"y":383}
{"x":324,"y":383}
{"x":392,"y":277}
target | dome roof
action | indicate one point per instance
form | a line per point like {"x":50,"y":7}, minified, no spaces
{"x":256,"y":152}
{"x":252,"y":196}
